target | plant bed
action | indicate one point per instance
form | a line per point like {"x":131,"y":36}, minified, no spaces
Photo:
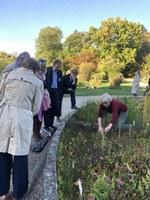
{"x":116,"y":166}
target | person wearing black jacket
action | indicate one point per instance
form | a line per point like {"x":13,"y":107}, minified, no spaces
{"x":59,"y":96}
{"x":53,"y":78}
{"x":68,"y":86}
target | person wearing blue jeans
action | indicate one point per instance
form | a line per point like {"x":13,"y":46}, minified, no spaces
{"x":119,"y":113}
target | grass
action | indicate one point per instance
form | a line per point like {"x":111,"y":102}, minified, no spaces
{"x":124,"y":89}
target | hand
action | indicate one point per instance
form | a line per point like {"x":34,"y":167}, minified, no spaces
{"x":107,"y":129}
{"x":100,"y":129}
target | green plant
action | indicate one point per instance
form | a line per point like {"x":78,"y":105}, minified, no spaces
{"x":96,"y":80}
{"x":146,"y":113}
{"x":85,"y":71}
{"x":100,"y":189}
{"x":115,"y":80}
{"x":123,"y":157}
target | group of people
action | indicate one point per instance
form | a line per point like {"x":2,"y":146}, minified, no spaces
{"x":58,"y":85}
{"x":30,"y":92}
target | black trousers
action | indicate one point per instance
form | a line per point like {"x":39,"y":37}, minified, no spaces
{"x":72,"y":98}
{"x":19,"y":165}
{"x":53,"y":111}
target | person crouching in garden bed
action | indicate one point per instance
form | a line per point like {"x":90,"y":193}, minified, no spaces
{"x":119,"y":113}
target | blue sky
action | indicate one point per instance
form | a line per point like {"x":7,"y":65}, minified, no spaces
{"x":21,"y":20}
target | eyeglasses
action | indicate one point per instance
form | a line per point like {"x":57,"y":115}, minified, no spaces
{"x":42,"y":62}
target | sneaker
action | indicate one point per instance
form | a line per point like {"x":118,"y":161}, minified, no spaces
{"x":74,"y":107}
{"x":52,"y":129}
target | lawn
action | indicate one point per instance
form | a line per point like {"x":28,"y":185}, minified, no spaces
{"x":124,"y":89}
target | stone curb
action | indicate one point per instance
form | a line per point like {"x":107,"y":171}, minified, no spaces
{"x":43,"y":180}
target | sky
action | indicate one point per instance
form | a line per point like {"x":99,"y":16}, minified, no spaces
{"x":22,"y":20}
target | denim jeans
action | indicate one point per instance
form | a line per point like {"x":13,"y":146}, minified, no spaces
{"x":121,"y":121}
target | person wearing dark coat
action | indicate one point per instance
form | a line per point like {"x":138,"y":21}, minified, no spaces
{"x":68,"y":86}
{"x":53,"y":78}
{"x":59,"y":98}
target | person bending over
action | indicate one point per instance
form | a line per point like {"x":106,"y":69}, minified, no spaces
{"x":68,"y":86}
{"x":119,"y":113}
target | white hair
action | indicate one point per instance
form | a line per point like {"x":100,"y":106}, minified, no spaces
{"x":106,"y":97}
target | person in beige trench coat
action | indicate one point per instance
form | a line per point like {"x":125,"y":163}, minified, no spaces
{"x":21,"y":94}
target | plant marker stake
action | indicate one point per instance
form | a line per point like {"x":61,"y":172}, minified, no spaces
{"x":80,"y":187}
{"x":103,"y":139}
{"x":73,"y":165}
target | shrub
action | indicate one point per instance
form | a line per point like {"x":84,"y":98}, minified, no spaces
{"x":85,"y":71}
{"x":115,"y":80}
{"x":96,"y":80}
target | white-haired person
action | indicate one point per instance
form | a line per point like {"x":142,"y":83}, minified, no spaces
{"x":21,"y":94}
{"x":119,"y":113}
{"x":17,"y":63}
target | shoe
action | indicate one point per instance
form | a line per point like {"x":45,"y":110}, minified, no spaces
{"x":74,"y":107}
{"x":6,"y":197}
{"x":47,"y":131}
{"x":53,"y":129}
{"x":58,"y":119}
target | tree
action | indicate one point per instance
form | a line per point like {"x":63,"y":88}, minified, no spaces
{"x":48,"y":44}
{"x":78,"y":48}
{"x":119,"y":39}
{"x":88,"y":41}
{"x":112,"y":68}
{"x":73,"y":45}
{"x":146,"y":67}
{"x":5,"y":59}
{"x":145,"y":48}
